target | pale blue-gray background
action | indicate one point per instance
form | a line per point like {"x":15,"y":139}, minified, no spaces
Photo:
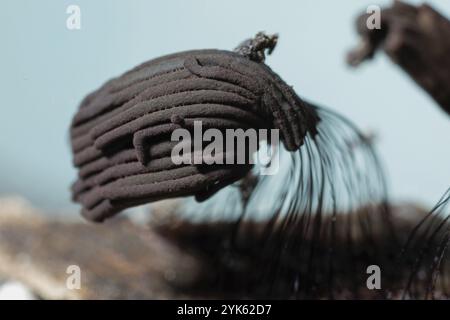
{"x":45,"y":70}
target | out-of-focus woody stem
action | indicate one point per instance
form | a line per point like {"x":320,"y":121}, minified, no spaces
{"x":417,"y":38}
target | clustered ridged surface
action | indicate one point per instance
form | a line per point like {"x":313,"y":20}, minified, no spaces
{"x":121,"y":134}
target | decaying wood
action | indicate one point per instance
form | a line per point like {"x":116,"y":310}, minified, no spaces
{"x":118,"y":260}
{"x":173,"y":258}
{"x":417,"y":38}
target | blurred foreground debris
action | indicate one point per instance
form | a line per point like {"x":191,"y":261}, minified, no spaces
{"x":118,"y":260}
{"x":173,"y":259}
{"x":13,"y":290}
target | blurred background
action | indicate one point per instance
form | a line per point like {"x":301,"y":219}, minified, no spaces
{"x":47,"y":69}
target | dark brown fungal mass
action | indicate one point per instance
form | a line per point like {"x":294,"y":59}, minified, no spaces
{"x":121,"y":133}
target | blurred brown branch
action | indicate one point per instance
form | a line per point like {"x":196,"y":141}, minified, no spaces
{"x":417,"y":38}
